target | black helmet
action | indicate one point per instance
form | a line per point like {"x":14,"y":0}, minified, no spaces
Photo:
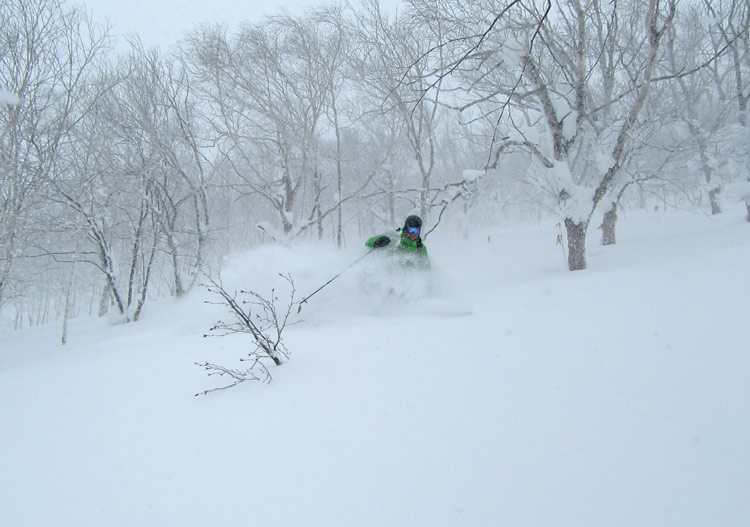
{"x":413,"y":221}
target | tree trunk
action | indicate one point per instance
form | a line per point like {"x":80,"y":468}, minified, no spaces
{"x":146,"y":277}
{"x":391,"y":199}
{"x":339,"y":176}
{"x":747,"y":204}
{"x":8,"y":265}
{"x":105,"y":300}
{"x":68,"y":296}
{"x":713,"y":197}
{"x":66,"y":315}
{"x":609,"y":226}
{"x":576,"y":244}
{"x":179,"y":289}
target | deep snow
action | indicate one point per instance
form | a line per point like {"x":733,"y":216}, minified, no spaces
{"x":498,"y":390}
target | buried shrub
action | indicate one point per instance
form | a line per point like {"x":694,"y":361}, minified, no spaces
{"x":263,"y":319}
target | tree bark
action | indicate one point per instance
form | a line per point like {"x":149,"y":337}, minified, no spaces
{"x":713,"y":197}
{"x":609,"y":226}
{"x":106,"y":299}
{"x":576,"y":244}
{"x":179,"y":288}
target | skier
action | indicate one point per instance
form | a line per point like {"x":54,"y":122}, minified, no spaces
{"x":407,"y":247}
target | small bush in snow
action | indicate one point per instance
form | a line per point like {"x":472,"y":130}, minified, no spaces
{"x":259,"y":317}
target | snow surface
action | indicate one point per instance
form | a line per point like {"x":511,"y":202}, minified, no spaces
{"x":616,"y":396}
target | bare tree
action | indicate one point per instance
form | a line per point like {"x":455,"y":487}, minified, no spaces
{"x":269,"y":89}
{"x":46,"y":52}
{"x":396,"y":69}
{"x":541,"y":66}
{"x":110,"y":183}
{"x":168,"y":116}
{"x":730,"y":30}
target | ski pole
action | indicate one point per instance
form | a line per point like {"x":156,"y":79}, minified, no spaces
{"x":355,"y":262}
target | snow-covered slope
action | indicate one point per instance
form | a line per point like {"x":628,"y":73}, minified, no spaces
{"x":501,"y":390}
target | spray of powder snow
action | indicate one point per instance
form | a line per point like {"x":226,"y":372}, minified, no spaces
{"x":378,"y":285}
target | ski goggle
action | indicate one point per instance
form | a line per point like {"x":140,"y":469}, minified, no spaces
{"x":412,"y":230}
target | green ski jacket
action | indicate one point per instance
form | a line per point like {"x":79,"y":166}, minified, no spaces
{"x":408,"y":253}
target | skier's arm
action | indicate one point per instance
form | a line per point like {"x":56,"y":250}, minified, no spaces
{"x":378,"y":241}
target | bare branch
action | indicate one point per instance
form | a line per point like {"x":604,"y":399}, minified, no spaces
{"x":262,"y":319}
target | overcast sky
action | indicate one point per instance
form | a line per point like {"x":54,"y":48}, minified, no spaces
{"x":162,"y":22}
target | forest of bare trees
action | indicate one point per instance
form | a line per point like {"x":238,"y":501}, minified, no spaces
{"x":124,"y":175}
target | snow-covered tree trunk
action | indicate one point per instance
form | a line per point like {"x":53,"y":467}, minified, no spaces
{"x":655,"y":35}
{"x":609,"y":226}
{"x":70,"y":294}
{"x":714,"y":200}
{"x":179,"y":288}
{"x":105,"y":299}
{"x":700,"y":136}
{"x":339,"y":174}
{"x":576,"y":232}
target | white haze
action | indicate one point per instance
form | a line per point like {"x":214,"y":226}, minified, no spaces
{"x":163,"y":23}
